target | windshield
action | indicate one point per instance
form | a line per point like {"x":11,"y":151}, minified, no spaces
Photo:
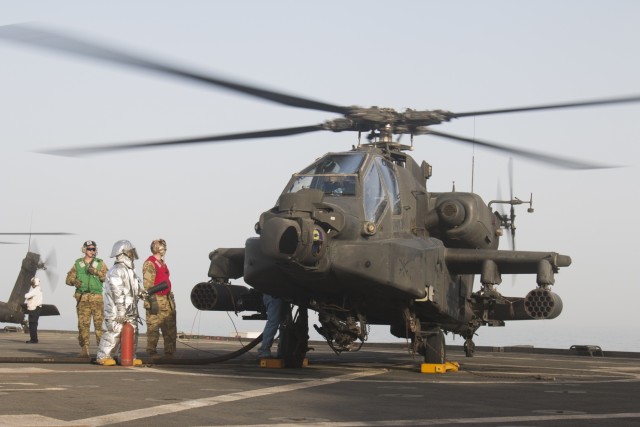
{"x":335,"y":185}
{"x":375,"y":198}
{"x":334,"y":174}
{"x":389,"y":176}
{"x":343,"y":163}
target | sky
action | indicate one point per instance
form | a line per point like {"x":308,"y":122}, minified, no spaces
{"x":459,"y":56}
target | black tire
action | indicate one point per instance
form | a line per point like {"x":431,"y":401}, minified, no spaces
{"x":469,"y":348}
{"x":295,"y":338}
{"x":435,"y":350}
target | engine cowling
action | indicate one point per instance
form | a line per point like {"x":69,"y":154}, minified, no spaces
{"x":462,"y":220}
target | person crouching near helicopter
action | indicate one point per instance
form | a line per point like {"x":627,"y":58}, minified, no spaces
{"x":122,"y":289}
{"x":161,"y":313}
{"x":33,"y":299}
{"x":87,"y":275}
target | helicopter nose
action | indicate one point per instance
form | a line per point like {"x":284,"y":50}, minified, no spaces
{"x":293,"y":239}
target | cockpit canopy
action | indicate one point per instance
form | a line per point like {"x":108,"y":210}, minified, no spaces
{"x":334,"y":174}
{"x":351,"y":174}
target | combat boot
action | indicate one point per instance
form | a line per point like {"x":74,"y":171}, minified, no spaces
{"x":84,"y":352}
{"x":107,"y":361}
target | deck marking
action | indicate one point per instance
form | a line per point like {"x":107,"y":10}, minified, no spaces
{"x":126,"y":416}
{"x":31,"y":420}
{"x":34,"y":389}
{"x":453,"y":421}
{"x":4,"y":384}
{"x":24,"y":370}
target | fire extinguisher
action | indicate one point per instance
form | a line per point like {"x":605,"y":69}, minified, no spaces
{"x":126,"y":345}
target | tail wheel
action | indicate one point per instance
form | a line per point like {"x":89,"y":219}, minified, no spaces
{"x":434,"y":349}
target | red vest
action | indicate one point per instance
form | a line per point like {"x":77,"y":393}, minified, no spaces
{"x":162,"y":274}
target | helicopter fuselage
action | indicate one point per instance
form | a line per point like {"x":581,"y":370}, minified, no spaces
{"x":357,"y":237}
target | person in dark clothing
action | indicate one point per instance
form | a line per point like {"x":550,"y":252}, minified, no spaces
{"x":33,"y":299}
{"x":275,"y":316}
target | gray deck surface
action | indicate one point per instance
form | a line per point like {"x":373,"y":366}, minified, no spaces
{"x":381,"y":385}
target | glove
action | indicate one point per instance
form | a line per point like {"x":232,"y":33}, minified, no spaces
{"x":77,"y":283}
{"x":120,"y":319}
{"x":172,"y":301}
{"x":92,"y":271}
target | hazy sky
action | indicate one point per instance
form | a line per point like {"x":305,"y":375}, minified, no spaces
{"x":460,"y":56}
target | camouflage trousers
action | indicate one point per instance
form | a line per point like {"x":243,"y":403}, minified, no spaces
{"x":165,"y":322}
{"x":90,"y":306}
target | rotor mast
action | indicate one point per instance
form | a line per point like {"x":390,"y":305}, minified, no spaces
{"x":384,"y":138}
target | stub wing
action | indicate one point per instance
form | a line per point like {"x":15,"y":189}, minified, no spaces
{"x":475,"y":261}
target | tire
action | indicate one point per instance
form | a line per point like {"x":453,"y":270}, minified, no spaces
{"x":435,"y":350}
{"x":296,"y":340}
{"x":469,"y":348}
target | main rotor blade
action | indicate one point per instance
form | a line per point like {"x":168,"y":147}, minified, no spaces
{"x":37,"y":234}
{"x":53,"y":40}
{"x":591,"y":103}
{"x":532,"y":155}
{"x":197,"y":140}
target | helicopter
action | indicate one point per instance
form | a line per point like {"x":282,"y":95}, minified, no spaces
{"x":357,"y":236}
{"x":13,"y":311}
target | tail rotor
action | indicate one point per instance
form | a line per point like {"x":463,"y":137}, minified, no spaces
{"x":512,"y":215}
{"x":48,"y":264}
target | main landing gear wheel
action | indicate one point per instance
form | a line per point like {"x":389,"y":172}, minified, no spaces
{"x":295,"y":339}
{"x":469,"y":347}
{"x":434,"y":348}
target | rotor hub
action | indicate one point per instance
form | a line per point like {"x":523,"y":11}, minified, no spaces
{"x":387,"y":121}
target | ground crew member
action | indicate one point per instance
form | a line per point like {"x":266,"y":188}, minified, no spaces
{"x":122,"y":289}
{"x":161,"y":313}
{"x":33,"y":299}
{"x":87,"y":275}
{"x":276,"y":313}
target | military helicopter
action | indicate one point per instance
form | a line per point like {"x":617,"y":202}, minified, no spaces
{"x":13,"y":310}
{"x":357,"y":236}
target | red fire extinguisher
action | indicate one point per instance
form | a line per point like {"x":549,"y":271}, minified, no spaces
{"x":126,"y":345}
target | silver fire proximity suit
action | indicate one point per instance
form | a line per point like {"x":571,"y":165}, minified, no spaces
{"x":121,"y":291}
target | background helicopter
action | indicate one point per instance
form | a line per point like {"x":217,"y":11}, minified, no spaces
{"x":13,"y":310}
{"x":418,"y":61}
{"x":357,"y":236}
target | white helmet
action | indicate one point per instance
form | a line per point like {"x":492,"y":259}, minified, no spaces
{"x":124,"y":247}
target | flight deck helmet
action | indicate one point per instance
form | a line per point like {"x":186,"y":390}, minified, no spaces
{"x":124,"y":247}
